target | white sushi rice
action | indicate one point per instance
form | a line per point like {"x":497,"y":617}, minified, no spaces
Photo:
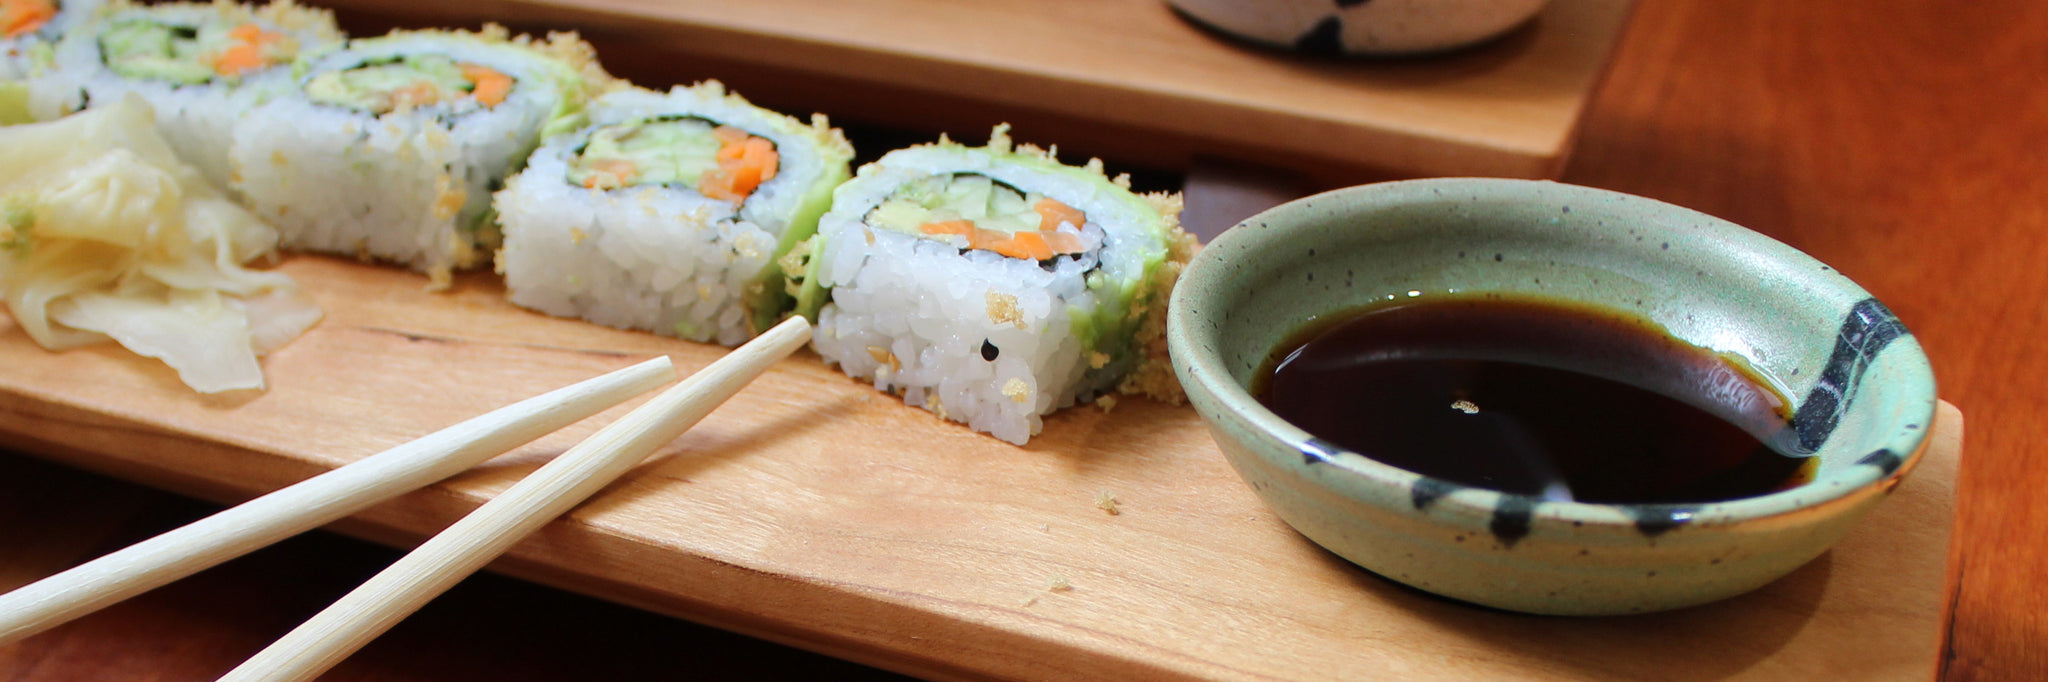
{"x":658,"y":258}
{"x":410,"y":186}
{"x":912,"y":315}
{"x":645,"y":258}
{"x":197,"y":119}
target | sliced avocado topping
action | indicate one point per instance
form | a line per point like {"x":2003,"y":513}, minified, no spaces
{"x":149,"y":50}
{"x":975,"y":198}
{"x":382,"y":86}
{"x":673,"y":151}
{"x":973,"y":211}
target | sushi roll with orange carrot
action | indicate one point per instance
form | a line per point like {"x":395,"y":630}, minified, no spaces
{"x":29,"y":32}
{"x":29,"y":29}
{"x":389,"y":148}
{"x":669,"y":212}
{"x":994,"y":285}
{"x":201,"y":66}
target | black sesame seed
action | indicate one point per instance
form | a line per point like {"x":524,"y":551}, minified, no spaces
{"x":989,"y":351}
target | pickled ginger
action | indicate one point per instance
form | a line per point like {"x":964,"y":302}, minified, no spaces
{"x":106,"y":234}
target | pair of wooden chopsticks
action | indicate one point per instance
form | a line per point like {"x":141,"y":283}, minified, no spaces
{"x":446,"y":558}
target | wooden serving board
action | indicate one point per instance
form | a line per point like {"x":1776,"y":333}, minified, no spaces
{"x":814,"y":511}
{"x":1123,"y":79}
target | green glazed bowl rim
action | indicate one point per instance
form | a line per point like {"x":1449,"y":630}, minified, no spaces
{"x":1199,"y":363}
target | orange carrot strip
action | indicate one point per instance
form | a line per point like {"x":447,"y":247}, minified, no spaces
{"x":21,"y":17}
{"x":959,"y":227}
{"x":717,"y":184}
{"x":419,"y":94}
{"x":1007,"y":249}
{"x":758,"y":163}
{"x":730,"y":154}
{"x":986,"y":240}
{"x":254,"y":35}
{"x":771,"y":163}
{"x":1032,"y":245}
{"x":1052,"y":212}
{"x":744,"y":162}
{"x":236,"y":60}
{"x":729,"y":135}
{"x":609,"y":173}
{"x":1062,"y":242}
{"x":744,"y":178}
{"x":246,"y":54}
{"x":761,"y":153}
{"x":491,"y":86}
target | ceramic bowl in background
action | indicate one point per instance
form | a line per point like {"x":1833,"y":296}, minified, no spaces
{"x":1862,"y":390}
{"x":1361,"y":27}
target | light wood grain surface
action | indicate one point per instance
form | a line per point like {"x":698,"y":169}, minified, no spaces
{"x":1896,"y":145}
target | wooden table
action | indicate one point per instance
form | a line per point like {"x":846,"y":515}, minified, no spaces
{"x":1899,"y":145}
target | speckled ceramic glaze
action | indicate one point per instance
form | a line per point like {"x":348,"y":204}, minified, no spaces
{"x":1863,"y":391}
{"x":1359,"y":27}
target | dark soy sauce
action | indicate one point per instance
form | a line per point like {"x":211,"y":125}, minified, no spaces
{"x":1534,"y":396}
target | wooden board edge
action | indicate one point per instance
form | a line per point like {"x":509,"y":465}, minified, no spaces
{"x":1948,"y":434}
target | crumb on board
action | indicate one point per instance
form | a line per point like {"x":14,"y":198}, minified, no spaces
{"x":1002,"y":309}
{"x":1017,"y":390}
{"x":1105,"y":402}
{"x":1058,"y":583}
{"x":1106,"y":501}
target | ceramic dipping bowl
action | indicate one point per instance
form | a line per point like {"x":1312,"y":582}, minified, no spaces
{"x":1861,"y":388}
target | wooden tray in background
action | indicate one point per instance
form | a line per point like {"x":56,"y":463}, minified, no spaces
{"x":815,"y":511}
{"x":1127,"y":80}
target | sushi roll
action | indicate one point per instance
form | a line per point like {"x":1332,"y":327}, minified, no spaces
{"x":201,"y":66}
{"x":669,"y":212}
{"x":994,"y":285}
{"x":389,"y":148}
{"x":29,"y":30}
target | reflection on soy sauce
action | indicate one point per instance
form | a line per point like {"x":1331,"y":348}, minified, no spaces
{"x":1535,"y":396}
